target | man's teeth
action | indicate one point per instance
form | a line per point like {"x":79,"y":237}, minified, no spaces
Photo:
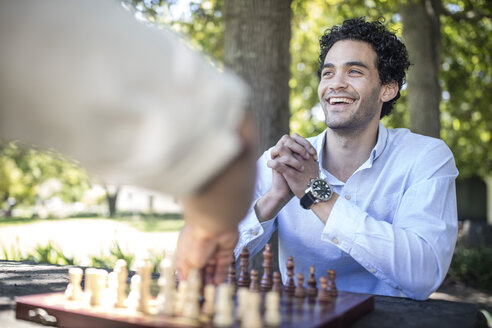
{"x":341,"y":100}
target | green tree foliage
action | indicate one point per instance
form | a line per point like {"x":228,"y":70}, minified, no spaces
{"x":24,"y":169}
{"x":465,"y":77}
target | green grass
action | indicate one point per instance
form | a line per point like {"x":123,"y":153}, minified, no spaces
{"x":145,"y":223}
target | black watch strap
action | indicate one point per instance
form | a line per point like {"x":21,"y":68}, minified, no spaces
{"x":307,"y":200}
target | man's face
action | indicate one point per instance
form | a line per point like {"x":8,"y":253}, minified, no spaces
{"x":350,"y":91}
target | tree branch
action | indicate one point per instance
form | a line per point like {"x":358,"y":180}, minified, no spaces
{"x":470,"y":15}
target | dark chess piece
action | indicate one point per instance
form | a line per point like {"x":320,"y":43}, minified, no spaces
{"x":290,"y":285}
{"x":244,"y":280}
{"x":300,"y":292}
{"x":231,"y":273}
{"x":277,"y":282}
{"x":332,"y":287}
{"x":254,"y":287}
{"x":266,"y":279}
{"x":312,"y":290}
{"x":323,"y":295}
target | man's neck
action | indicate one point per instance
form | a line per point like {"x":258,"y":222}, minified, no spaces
{"x":344,"y":152}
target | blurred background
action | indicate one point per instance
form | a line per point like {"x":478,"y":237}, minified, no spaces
{"x":52,"y":212}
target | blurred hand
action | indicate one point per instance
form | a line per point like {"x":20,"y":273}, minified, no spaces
{"x":212,"y":214}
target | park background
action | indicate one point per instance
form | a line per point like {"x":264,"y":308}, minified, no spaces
{"x":273,"y":45}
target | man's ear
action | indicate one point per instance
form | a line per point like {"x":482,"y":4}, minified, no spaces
{"x":389,"y":91}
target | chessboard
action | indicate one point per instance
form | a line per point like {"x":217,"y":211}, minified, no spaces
{"x":54,"y":309}
{"x":242,"y":302}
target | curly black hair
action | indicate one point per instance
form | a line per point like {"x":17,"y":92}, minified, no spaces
{"x":392,"y":56}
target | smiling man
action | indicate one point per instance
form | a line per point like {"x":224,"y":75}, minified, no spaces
{"x":376,"y":205}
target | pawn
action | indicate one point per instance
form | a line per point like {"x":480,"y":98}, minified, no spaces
{"x":242,"y":302}
{"x":312,"y":290}
{"x":208,"y":303}
{"x":277,"y":283}
{"x":332,"y":287}
{"x":74,"y":289}
{"x":167,"y":287}
{"x":266,"y":279}
{"x":224,"y":307}
{"x":323,"y":295}
{"x":300,"y":291}
{"x":254,"y":287}
{"x":290,"y":286}
{"x":133,"y":300}
{"x":252,"y":315}
{"x":272,"y":309}
{"x":191,"y":308}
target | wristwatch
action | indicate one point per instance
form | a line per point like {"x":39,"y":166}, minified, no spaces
{"x":318,"y":190}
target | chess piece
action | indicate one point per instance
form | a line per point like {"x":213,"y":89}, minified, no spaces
{"x":223,"y":307}
{"x":242,"y":302}
{"x":180,"y":297}
{"x":277,"y":283}
{"x":244,"y":279}
{"x":290,"y":286}
{"x":272,"y":309}
{"x":121,"y":272}
{"x":231,"y":273}
{"x":312,"y":290}
{"x":208,"y":303}
{"x":144,"y":269}
{"x":253,"y":286}
{"x":266,"y":279}
{"x":133,"y":300}
{"x":74,"y":289}
{"x":191,"y":309}
{"x":252,"y":315}
{"x":323,"y":295}
{"x":167,"y":284}
{"x":332,"y":287}
{"x":300,"y":291}
{"x":95,"y":283}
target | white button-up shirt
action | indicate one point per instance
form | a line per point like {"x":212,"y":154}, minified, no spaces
{"x":392,"y":232}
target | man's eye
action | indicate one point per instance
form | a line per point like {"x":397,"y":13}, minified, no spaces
{"x":326,"y":73}
{"x":354,"y":71}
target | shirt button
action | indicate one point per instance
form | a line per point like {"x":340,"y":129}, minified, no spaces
{"x":254,"y":232}
{"x":347,"y":197}
{"x":372,"y":270}
{"x":335,"y":241}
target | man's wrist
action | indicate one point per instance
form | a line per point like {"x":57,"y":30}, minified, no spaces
{"x":268,"y":206}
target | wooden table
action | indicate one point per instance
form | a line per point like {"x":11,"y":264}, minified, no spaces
{"x":22,"y":278}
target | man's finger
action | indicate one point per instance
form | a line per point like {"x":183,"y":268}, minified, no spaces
{"x":306,"y":144}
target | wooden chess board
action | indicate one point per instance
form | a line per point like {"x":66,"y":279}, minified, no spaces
{"x":344,"y":310}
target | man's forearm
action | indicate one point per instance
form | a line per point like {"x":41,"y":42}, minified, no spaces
{"x":268,"y":206}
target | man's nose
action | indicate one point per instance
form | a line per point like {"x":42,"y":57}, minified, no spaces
{"x":337,"y":82}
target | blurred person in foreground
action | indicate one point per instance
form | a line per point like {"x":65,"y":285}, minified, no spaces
{"x":134,"y":105}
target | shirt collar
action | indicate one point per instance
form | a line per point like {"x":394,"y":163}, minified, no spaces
{"x":375,"y":153}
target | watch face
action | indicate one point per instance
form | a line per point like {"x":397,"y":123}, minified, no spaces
{"x":321,"y":189}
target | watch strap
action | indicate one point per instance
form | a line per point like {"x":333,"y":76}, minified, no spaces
{"x":307,"y":200}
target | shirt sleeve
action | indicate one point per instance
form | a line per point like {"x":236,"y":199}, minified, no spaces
{"x":132,"y":103}
{"x":253,"y":234}
{"x":413,"y":253}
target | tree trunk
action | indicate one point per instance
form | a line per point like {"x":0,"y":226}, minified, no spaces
{"x":112,"y":197}
{"x":257,"y":39}
{"x":422,"y":34}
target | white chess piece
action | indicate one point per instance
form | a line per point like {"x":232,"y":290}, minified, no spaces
{"x":96,"y":283}
{"x":209,"y":301}
{"x":133,"y":299}
{"x":144,"y":269}
{"x":252,"y":316}
{"x":191,"y":308}
{"x":74,"y":289}
{"x":167,"y":283}
{"x":242,"y":302}
{"x":272,"y":309}
{"x":223,"y":307}
{"x":180,"y":297}
{"x":121,"y":271}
